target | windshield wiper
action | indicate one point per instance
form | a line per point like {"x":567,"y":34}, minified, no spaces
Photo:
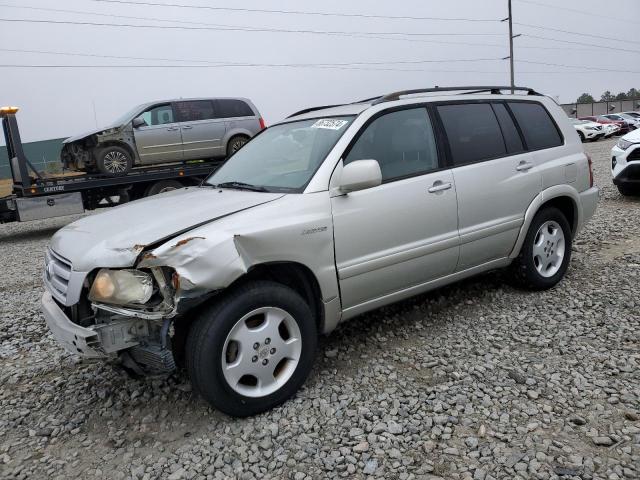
{"x":241,"y":186}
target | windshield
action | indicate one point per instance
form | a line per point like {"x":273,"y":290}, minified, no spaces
{"x":127,"y":116}
{"x":282,"y":158}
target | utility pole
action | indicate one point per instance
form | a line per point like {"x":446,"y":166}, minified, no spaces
{"x":511,"y":37}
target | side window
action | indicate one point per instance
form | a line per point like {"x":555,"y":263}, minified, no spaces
{"x":158,"y":115}
{"x":536,"y":124}
{"x":194,"y":110}
{"x":402,"y":142}
{"x":472,"y":131}
{"x":509,"y":131}
{"x":230,"y":108}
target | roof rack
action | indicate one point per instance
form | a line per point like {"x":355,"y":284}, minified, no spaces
{"x":313,"y":109}
{"x":494,"y":90}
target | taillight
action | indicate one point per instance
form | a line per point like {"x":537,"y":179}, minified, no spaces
{"x":590,"y":171}
{"x":262,"y":125}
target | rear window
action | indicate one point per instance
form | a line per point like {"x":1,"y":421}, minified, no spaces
{"x":472,"y":131}
{"x":536,"y":124}
{"x":229,"y":108}
{"x":194,"y":110}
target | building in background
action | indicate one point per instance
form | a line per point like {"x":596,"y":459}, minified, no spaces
{"x":577,"y":110}
{"x":44,"y":155}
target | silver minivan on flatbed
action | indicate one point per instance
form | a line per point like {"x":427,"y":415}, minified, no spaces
{"x":165,"y":131}
{"x":325,"y":215}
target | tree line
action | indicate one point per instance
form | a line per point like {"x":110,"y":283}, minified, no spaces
{"x":607,"y":96}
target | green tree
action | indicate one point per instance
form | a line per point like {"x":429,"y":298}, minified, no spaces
{"x":633,"y":93}
{"x":621,"y":96}
{"x":607,"y":97}
{"x":585,"y":98}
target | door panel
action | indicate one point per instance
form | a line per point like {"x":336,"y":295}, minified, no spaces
{"x":159,"y":143}
{"x":202,"y":132}
{"x":394,"y":236}
{"x":492,"y":199}
{"x":203,"y":139}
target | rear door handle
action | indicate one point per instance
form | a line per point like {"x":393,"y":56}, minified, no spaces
{"x":171,"y":129}
{"x":187,"y":127}
{"x":439,"y":186}
{"x":524,"y":166}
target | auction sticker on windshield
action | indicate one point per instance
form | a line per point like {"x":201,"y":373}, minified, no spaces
{"x":331,"y":124}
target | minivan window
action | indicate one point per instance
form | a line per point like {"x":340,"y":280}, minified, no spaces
{"x":282,"y":158}
{"x":472,"y":131}
{"x":158,"y":115}
{"x":509,"y":131}
{"x":402,"y":142}
{"x":536,"y":124}
{"x":230,"y":108}
{"x":194,"y":110}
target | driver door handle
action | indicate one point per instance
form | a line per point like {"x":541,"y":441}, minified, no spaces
{"x":439,"y":186}
{"x":171,"y":129}
{"x":187,"y":127}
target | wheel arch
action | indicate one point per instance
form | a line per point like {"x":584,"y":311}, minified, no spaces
{"x":117,"y":143}
{"x":563,"y":197}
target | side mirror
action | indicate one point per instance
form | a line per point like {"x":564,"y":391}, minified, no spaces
{"x":138,"y":122}
{"x":360,"y":175}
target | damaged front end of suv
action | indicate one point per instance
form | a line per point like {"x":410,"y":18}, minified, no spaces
{"x":79,"y":152}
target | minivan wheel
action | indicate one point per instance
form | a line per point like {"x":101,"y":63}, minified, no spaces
{"x":252,"y":349}
{"x":114,"y":161}
{"x":235,"y":144}
{"x":545,"y":254}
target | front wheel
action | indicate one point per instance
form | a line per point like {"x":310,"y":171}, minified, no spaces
{"x":628,"y":190}
{"x":114,"y":161}
{"x":253,"y":349}
{"x":545,"y":254}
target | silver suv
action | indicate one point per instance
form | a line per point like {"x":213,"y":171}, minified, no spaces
{"x":324,"y":216}
{"x":165,"y":132}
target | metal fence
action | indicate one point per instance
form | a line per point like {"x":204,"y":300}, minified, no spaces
{"x":577,"y":110}
{"x":44,"y":155}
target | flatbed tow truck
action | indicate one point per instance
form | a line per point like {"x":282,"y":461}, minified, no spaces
{"x":46,"y":196}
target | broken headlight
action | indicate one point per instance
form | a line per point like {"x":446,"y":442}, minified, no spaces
{"x":121,"y":287}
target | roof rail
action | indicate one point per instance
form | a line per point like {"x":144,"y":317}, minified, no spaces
{"x":494,"y":90}
{"x":313,"y":109}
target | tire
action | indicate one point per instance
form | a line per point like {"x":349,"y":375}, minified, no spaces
{"x":162,"y":186}
{"x":211,"y":351}
{"x":581,"y":135}
{"x":531,"y":269}
{"x":235,"y":144}
{"x":114,"y":161}
{"x":628,"y":190}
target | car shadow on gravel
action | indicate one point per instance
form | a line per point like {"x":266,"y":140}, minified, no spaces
{"x":29,"y":235}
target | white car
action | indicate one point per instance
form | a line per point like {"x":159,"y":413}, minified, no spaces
{"x":610,"y":129}
{"x":625,"y":163}
{"x":588,"y":130}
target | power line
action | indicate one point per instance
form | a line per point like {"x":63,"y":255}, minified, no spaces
{"x":576,"y":33}
{"x":580,"y":43}
{"x":242,"y":64}
{"x":575,"y":10}
{"x":598,"y":69}
{"x":298,"y":12}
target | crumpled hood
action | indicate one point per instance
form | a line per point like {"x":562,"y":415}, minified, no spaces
{"x":90,"y":132}
{"x":116,"y":237}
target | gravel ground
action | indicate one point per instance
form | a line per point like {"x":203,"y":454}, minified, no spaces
{"x":474,"y":381}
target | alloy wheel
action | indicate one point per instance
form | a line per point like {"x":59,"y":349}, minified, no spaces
{"x":548,"y":249}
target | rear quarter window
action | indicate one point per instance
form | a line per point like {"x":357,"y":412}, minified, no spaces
{"x":229,"y":108}
{"x":536,"y":124}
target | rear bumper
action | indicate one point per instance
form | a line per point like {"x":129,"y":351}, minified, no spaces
{"x":74,"y":338}
{"x":589,"y":201}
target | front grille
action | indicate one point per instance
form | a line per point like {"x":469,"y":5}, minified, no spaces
{"x":57,"y":273}
{"x":634,"y":154}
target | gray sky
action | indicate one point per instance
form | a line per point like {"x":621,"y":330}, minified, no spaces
{"x":58,"y":102}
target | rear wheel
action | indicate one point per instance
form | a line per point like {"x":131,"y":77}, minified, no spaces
{"x":253,"y":349}
{"x":546,"y":251}
{"x":114,"y":161}
{"x":163,"y":186}
{"x":235,"y":144}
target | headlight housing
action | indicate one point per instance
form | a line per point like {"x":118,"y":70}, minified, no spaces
{"x":623,"y":144}
{"x":121,"y":287}
{"x":591,"y":128}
